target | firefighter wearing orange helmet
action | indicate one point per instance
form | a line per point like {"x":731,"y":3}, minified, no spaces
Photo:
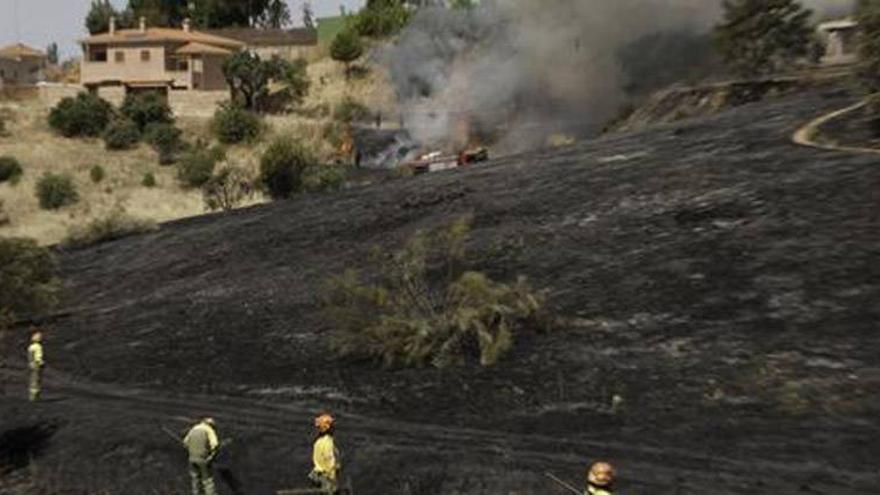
{"x":325,"y":456}
{"x":600,"y":479}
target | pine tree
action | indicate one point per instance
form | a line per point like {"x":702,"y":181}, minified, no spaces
{"x":761,"y":36}
{"x":52,"y":53}
{"x":346,"y":48}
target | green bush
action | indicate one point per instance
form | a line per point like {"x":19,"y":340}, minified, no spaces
{"x":149,"y":180}
{"x":228,"y":188}
{"x":97,"y":173}
{"x":121,"y":134}
{"x":146,"y":108}
{"x":323,"y":178}
{"x":282,"y":167}
{"x":55,"y":191}
{"x":382,"y":18}
{"x":165,"y":139}
{"x":10,"y":170}
{"x":233,"y":124}
{"x":196,"y":166}
{"x":422,"y":305}
{"x":351,"y":110}
{"x":28,"y":285}
{"x":85,"y":115}
{"x":346,"y":48}
{"x":116,"y":225}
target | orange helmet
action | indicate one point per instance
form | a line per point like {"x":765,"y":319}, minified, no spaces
{"x":601,"y":474}
{"x":324,"y":422}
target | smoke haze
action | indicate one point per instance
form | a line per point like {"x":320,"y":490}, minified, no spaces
{"x":517,"y":71}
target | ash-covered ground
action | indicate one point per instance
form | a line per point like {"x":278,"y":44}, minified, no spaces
{"x":720,"y":279}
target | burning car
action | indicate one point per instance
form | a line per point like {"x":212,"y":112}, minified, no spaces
{"x":436,"y":160}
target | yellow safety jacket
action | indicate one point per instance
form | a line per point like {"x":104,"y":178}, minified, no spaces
{"x":35,"y":356}
{"x":595,"y":490}
{"x":325,"y":456}
{"x":201,"y":443}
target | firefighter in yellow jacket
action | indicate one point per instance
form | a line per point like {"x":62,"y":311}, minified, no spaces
{"x":35,"y":364}
{"x":325,"y":456}
{"x":600,"y":479}
{"x":202,"y":444}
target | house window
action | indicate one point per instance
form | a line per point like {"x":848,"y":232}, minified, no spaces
{"x":145,"y":55}
{"x":98,"y":54}
{"x":119,"y":56}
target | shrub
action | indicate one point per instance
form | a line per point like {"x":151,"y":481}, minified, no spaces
{"x":146,"y":108}
{"x":4,"y":217}
{"x":323,"y":178}
{"x":197,"y":165}
{"x":165,"y":139}
{"x":282,"y":167}
{"x":421,"y":305}
{"x":85,"y":115}
{"x":149,"y":180}
{"x":351,"y":110}
{"x":233,"y":124}
{"x":10,"y":170}
{"x":27,"y":280}
{"x":382,"y":18}
{"x":55,"y":191}
{"x":122,"y":134}
{"x":97,"y":173}
{"x":116,"y":225}
{"x":227,"y":188}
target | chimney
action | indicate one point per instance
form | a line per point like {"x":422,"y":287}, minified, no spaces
{"x":143,"y":24}
{"x":187,"y":25}
{"x":112,"y":24}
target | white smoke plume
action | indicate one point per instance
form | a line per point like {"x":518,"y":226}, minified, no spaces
{"x":521,"y":70}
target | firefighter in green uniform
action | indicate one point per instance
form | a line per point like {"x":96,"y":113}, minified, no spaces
{"x":35,"y":364}
{"x":202,"y":444}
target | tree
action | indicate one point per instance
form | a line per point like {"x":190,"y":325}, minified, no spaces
{"x":868,"y":17}
{"x":52,"y":53}
{"x":229,"y":13}
{"x":276,"y":15}
{"x":247,"y":77}
{"x":308,"y":16}
{"x":294,"y":76}
{"x":100,"y":12}
{"x":381,"y":18}
{"x":760,"y":36}
{"x":346,"y":48}
{"x":160,"y":12}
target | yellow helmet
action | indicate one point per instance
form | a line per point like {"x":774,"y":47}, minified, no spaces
{"x":324,"y":422}
{"x":210,"y":422}
{"x":37,"y":336}
{"x":601,"y":474}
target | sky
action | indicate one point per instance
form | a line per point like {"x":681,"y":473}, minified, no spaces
{"x":40,"y":22}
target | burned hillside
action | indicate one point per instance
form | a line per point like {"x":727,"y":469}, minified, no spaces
{"x":715,"y":276}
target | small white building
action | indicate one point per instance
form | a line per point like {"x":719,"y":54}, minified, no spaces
{"x":840,"y":41}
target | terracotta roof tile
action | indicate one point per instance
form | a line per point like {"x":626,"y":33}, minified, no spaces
{"x":125,"y":36}
{"x":200,"y":48}
{"x":18,"y":51}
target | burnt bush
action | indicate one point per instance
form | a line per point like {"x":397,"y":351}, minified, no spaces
{"x":421,"y":305}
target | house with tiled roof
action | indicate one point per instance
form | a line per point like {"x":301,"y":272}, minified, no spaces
{"x":288,"y":44}
{"x":156,"y":58}
{"x":21,"y":65}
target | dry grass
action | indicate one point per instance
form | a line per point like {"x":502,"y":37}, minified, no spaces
{"x":39,"y":150}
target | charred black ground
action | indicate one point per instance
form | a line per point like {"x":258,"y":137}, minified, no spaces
{"x":719,"y":278}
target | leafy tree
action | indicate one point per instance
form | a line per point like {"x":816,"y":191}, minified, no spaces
{"x":868,"y":17}
{"x":276,"y":15}
{"x":760,"y":36}
{"x":248,"y":78}
{"x":308,"y":16}
{"x":294,"y":76}
{"x":52,"y":53}
{"x":346,"y":48}
{"x":229,"y":13}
